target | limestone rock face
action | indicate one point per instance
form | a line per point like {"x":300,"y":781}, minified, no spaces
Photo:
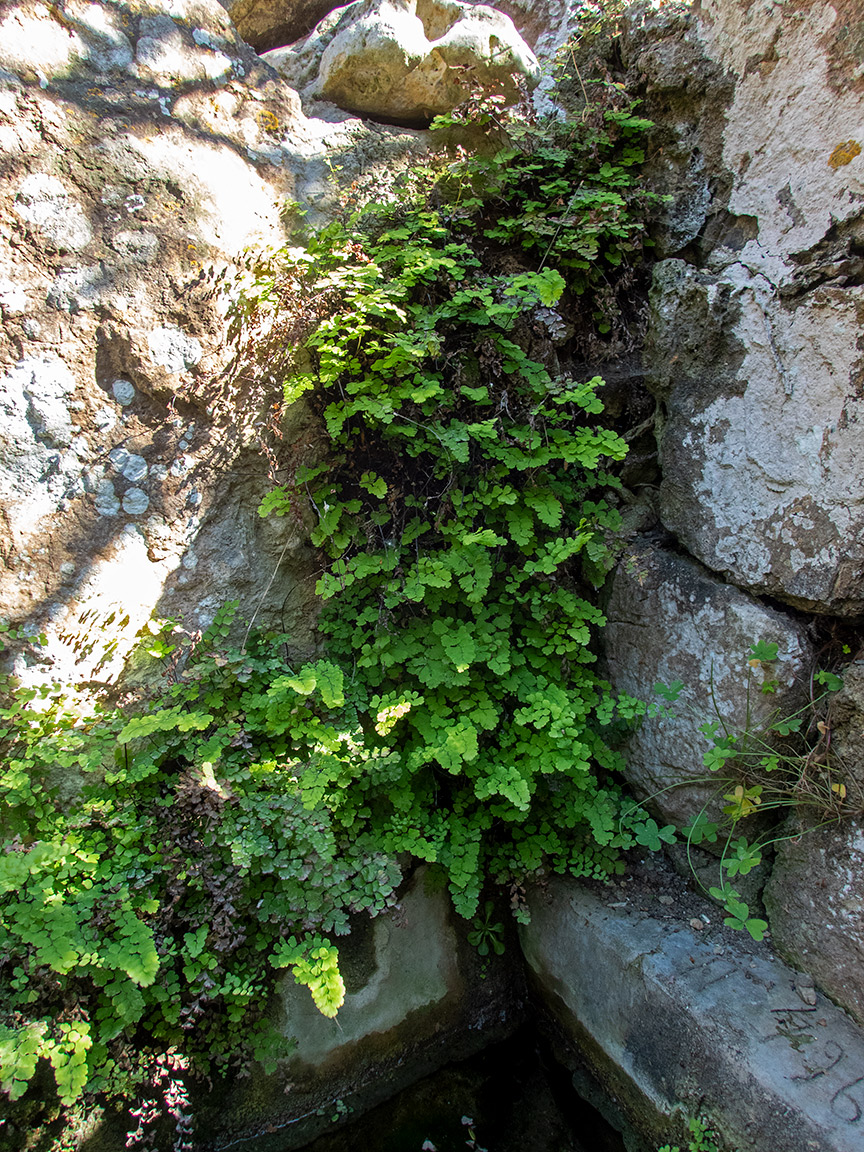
{"x":846,"y":724}
{"x":406,"y":61}
{"x":761,"y":460}
{"x":815,"y":905}
{"x":754,"y":349}
{"x":269,"y":24}
{"x":669,"y":619}
{"x":145,"y":149}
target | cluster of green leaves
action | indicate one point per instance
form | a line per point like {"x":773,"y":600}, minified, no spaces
{"x":315,"y":964}
{"x":463,"y":508}
{"x":775,"y":765}
{"x":158,"y":867}
{"x":758,"y":753}
{"x":702,"y":1138}
{"x":486,"y":931}
{"x":569,"y":198}
{"x":591,"y":227}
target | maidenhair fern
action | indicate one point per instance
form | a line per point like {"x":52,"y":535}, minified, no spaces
{"x":232,"y":825}
{"x":464,"y":507}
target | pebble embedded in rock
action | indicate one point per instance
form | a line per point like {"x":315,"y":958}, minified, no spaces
{"x":13,"y":298}
{"x":49,"y":207}
{"x":104,"y":419}
{"x":805,"y":987}
{"x":106,"y":502}
{"x":135,"y":502}
{"x":135,"y":468}
{"x":124,"y":392}
{"x":174,"y":349}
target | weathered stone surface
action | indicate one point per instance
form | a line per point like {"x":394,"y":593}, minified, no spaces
{"x":145,"y":150}
{"x":815,"y":905}
{"x":796,"y":105}
{"x":675,"y":1022}
{"x":756,"y":354}
{"x":541,"y":23}
{"x":267,"y":24}
{"x":760,"y":447}
{"x":404,"y":61}
{"x":686,"y":94}
{"x":846,"y":729}
{"x":669,"y":619}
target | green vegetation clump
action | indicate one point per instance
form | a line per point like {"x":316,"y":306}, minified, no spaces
{"x":462,"y":508}
{"x":781,"y":765}
{"x":702,"y":1138}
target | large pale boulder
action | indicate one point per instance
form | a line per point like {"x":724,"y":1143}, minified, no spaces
{"x":671,"y":620}
{"x":754,"y":346}
{"x":269,"y":24}
{"x":406,"y":61}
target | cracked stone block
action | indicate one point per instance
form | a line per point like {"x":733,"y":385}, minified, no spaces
{"x":760,"y":443}
{"x":669,"y":619}
{"x":755,"y":354}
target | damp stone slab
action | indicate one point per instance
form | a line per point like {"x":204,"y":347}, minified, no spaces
{"x":675,"y":1022}
{"x":418,"y":997}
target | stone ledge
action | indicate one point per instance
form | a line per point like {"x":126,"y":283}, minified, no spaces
{"x":675,"y":1027}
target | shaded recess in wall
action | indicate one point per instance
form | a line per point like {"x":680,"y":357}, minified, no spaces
{"x":518,"y":1097}
{"x":266,"y":25}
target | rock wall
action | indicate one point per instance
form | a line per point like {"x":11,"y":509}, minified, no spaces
{"x":146,"y":150}
{"x":754,"y":349}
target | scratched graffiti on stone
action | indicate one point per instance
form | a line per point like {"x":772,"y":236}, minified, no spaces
{"x":707,"y":975}
{"x":821,"y":1060}
{"x":848,"y":1101}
